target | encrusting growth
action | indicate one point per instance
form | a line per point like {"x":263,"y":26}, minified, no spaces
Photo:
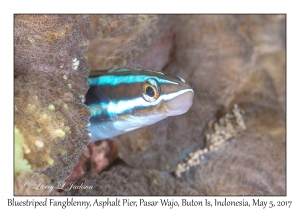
{"x":218,"y":134}
{"x":50,"y":84}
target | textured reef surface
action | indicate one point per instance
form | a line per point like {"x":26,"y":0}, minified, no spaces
{"x":233,"y":62}
{"x":50,"y":84}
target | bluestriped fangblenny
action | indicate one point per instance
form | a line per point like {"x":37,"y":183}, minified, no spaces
{"x":123,"y":100}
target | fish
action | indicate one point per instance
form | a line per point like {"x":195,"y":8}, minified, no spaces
{"x":125,"y":99}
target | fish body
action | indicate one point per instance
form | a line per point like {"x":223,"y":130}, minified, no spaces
{"x":122,"y":100}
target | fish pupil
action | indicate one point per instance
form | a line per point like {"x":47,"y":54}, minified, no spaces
{"x":150,"y":91}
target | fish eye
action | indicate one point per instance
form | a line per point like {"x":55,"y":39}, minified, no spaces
{"x":151,"y":90}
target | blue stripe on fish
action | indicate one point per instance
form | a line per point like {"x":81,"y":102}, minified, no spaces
{"x":119,"y":79}
{"x":126,"y":99}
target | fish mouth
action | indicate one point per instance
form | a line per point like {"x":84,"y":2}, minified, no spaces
{"x":180,"y":104}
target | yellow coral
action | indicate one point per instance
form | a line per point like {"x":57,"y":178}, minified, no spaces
{"x":50,"y":80}
{"x":20,"y":162}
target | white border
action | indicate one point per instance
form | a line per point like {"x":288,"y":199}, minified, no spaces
{"x":8,"y":8}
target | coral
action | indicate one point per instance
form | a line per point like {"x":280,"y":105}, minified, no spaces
{"x":217,"y":135}
{"x":29,"y":183}
{"x":21,"y":164}
{"x":123,"y":180}
{"x":96,"y":157}
{"x":102,"y":154}
{"x":50,"y":78}
{"x":126,"y":40}
{"x":50,"y":84}
{"x":80,"y":169}
{"x":216,"y":55}
{"x":227,"y":59}
{"x":252,"y":164}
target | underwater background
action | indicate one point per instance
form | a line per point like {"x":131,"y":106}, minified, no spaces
{"x":232,"y":141}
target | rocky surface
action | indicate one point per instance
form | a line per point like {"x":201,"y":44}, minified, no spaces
{"x":227,"y":59}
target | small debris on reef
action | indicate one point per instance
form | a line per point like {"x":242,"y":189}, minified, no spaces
{"x":94,"y":159}
{"x":227,"y":59}
{"x":218,"y":134}
{"x":102,"y":155}
{"x":79,"y":169}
